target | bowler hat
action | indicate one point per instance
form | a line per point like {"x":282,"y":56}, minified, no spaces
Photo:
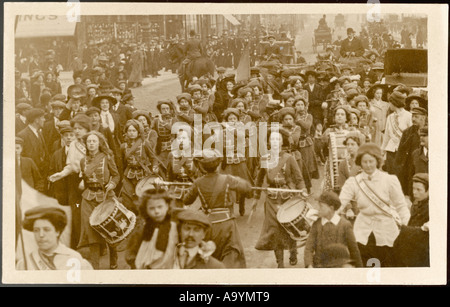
{"x":56,"y":216}
{"x":350,"y":30}
{"x":397,"y":99}
{"x":194,"y":216}
{"x":34,"y":113}
{"x":368,"y":148}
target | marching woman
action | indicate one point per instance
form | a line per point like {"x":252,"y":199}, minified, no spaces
{"x":306,"y":145}
{"x":76,"y":152}
{"x":381,"y":203}
{"x":138,"y":161}
{"x":150,"y":135}
{"x":379,"y":111}
{"x":286,"y":174}
{"x":163,"y":127}
{"x":233,"y":164}
{"x":100,"y":177}
{"x":181,"y":168}
{"x":213,"y":190}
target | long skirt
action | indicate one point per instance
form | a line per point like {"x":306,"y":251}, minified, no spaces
{"x":229,"y":247}
{"x":273,"y":235}
{"x":309,"y":157}
{"x":128,"y":194}
{"x":88,"y":235}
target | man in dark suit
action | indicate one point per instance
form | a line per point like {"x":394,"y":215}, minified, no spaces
{"x":50,"y":129}
{"x":28,"y":168}
{"x":272,"y":50}
{"x":34,"y":146}
{"x":367,"y":73}
{"x":409,"y":142}
{"x":58,"y":189}
{"x":351,"y":46}
{"x":123,"y":112}
{"x":21,"y":120}
{"x":315,"y":97}
{"x":420,"y":155}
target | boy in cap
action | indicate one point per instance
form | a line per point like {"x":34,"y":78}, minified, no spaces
{"x":397,"y":122}
{"x":21,"y":120}
{"x":329,"y":229}
{"x":194,"y":252}
{"x":48,"y":223}
{"x":412,"y":245}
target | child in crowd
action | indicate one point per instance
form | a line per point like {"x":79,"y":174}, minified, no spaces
{"x":329,"y":229}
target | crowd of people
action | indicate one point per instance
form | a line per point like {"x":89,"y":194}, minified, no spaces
{"x":91,"y":144}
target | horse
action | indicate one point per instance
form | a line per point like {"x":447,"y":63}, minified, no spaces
{"x":199,"y":67}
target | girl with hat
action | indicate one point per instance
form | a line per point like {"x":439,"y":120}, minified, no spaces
{"x":347,"y":167}
{"x":162,"y":124}
{"x":138,"y":162}
{"x":185,"y":113}
{"x":287,"y":175}
{"x":81,"y":125}
{"x":150,"y":135}
{"x":48,"y":223}
{"x":381,"y":203}
{"x":242,"y":106}
{"x":200,"y":104}
{"x":214,"y":191}
{"x":304,"y":120}
{"x":296,"y":83}
{"x":414,"y":101}
{"x":100,"y":178}
{"x":397,"y":122}
{"x":92,"y":92}
{"x":379,"y":111}
{"x":223,"y":95}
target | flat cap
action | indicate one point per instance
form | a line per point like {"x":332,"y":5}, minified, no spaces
{"x":34,"y":113}
{"x":421,"y":177}
{"x":22,"y":107}
{"x":419,"y":110}
{"x":194,"y":216}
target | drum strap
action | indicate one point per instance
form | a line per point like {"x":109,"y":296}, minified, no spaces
{"x":376,"y":200}
{"x":133,"y":149}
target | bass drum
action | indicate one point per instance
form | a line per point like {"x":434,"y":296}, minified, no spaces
{"x":145,"y":184}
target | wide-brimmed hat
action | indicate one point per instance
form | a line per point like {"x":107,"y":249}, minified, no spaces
{"x":229,"y":111}
{"x":423,"y":103}
{"x":76,"y":91}
{"x":96,"y":101}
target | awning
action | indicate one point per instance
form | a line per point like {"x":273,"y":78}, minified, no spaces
{"x":232,"y":19}
{"x":31,"y":26}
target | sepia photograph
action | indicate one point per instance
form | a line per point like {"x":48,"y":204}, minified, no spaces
{"x":234,"y":143}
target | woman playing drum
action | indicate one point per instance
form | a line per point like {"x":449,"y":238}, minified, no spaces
{"x":100,"y":177}
{"x":138,"y":161}
{"x":286,"y":174}
{"x":381,"y":203}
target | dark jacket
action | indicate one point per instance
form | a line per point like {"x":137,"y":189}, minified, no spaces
{"x":315,"y":98}
{"x":51,"y":135}
{"x":352,"y":46}
{"x":30,"y":173}
{"x":409,"y":142}
{"x":420,"y":161}
{"x":34,"y":147}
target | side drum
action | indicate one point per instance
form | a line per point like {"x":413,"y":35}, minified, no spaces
{"x":292,"y":215}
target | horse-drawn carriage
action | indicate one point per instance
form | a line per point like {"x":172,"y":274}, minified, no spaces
{"x":287,"y":50}
{"x":322,"y":36}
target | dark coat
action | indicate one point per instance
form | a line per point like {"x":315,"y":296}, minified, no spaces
{"x":58,"y":189}
{"x":124,"y":113}
{"x":51,"y":135}
{"x":355,"y":46}
{"x":315,"y":98}
{"x":30,"y":173}
{"x":20,"y":125}
{"x":34,"y":147}
{"x":409,"y":142}
{"x":420,"y":161}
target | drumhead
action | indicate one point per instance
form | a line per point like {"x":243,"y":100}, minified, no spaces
{"x":102,"y":212}
{"x":290,"y":210}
